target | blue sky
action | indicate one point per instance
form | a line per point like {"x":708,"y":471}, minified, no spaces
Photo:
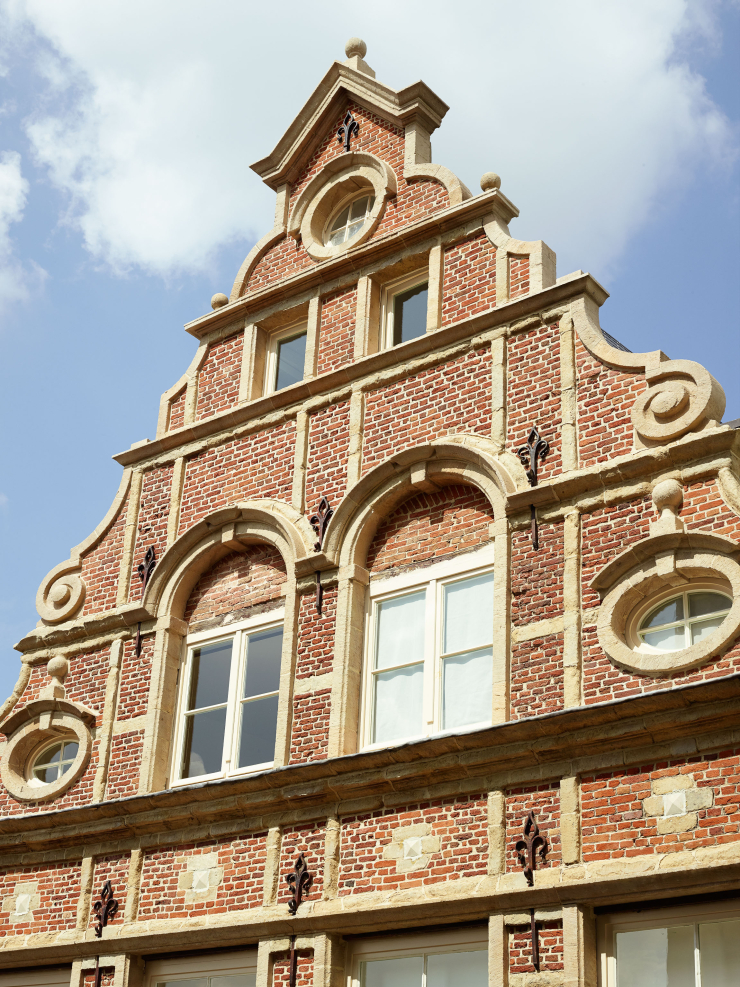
{"x":126,"y":201}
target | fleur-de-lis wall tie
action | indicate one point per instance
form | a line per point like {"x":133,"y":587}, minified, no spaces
{"x":530,"y":456}
{"x":144,"y":571}
{"x":299,"y":881}
{"x":104,"y":909}
{"x":349,"y":129}
{"x":528,"y":848}
{"x":319,"y":522}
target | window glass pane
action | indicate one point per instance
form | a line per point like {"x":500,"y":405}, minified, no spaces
{"x":458,"y":969}
{"x":70,"y":751}
{"x":209,"y":675}
{"x":47,"y":773}
{"x":656,"y":957}
{"x":467,"y":689}
{"x":410,"y":314}
{"x":359,"y":209}
{"x":234,"y":980}
{"x":701,"y":603}
{"x":670,"y":639}
{"x":666,"y":613}
{"x":204,"y":743}
{"x":262,"y":673}
{"x":405,"y":972}
{"x":400,"y":630}
{"x":291,"y":357}
{"x":398,"y":698}
{"x":704,"y":628}
{"x":468,"y":616}
{"x":341,"y":221}
{"x":258,"y":728}
{"x":719,"y":943}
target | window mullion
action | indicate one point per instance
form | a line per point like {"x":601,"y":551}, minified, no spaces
{"x":237,"y":659}
{"x":430,"y":647}
{"x":182,"y":702}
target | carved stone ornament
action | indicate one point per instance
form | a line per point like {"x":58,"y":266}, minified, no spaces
{"x":343,"y":177}
{"x":49,"y":718}
{"x":669,"y":561}
{"x":681,"y":395}
{"x":61,"y":594}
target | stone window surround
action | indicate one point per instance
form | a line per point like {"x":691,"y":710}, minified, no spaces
{"x":274,"y":339}
{"x":388,"y":294}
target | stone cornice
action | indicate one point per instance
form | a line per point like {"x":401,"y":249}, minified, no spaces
{"x":360,"y":373}
{"x":615,"y":733}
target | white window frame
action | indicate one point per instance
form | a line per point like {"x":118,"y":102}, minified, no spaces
{"x":400,"y":947}
{"x":59,"y":976}
{"x":353,"y":196}
{"x":241,"y":963}
{"x":387,"y":297}
{"x":660,"y":918}
{"x":431,"y":578}
{"x":672,"y":593}
{"x":238,"y":632}
{"x":299,"y":328}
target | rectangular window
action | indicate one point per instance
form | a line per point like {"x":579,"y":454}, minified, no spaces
{"x":447,"y":959}
{"x":229,"y":700}
{"x":286,"y":357}
{"x":404,"y":309}
{"x":220,"y":970}
{"x":430,"y":650}
{"x":679,"y":948}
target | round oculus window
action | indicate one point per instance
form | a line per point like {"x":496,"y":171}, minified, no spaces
{"x":683,"y":620}
{"x":349,"y":220}
{"x":54,"y":761}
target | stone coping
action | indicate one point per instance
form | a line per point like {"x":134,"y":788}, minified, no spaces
{"x":614,"y":734}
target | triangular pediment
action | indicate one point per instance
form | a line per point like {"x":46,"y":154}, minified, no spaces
{"x":340,"y":85}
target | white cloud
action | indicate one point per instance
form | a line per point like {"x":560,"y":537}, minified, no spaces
{"x":13,"y":193}
{"x":589,"y":111}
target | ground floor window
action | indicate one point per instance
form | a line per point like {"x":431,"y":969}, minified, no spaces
{"x":673,"y":948}
{"x":447,"y":959}
{"x":208,"y":970}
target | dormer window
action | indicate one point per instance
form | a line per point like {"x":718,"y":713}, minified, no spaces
{"x":350,"y":219}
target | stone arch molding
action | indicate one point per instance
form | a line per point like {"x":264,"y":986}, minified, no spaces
{"x":62,"y":591}
{"x":226,"y":530}
{"x":681,"y":396}
{"x":671,"y":560}
{"x":461,"y":458}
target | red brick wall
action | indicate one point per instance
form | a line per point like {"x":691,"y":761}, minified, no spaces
{"x":154,"y":512}
{"x":307,"y":839}
{"x":315,"y":652}
{"x":518,"y":276}
{"x":461,"y":824}
{"x":430,"y":526}
{"x":444,"y":400}
{"x":100,"y":567}
{"x":287,"y":257}
{"x":537,"y":576}
{"x":243,"y":862}
{"x":310,"y":735}
{"x":534,"y":393}
{"x":469,"y":279}
{"x":133,"y":693}
{"x":177,"y":412}
{"x":326,"y":470}
{"x":537,"y":676}
{"x":218,"y":380}
{"x":550,"y":936}
{"x":607,"y":532}
{"x":605,"y":400}
{"x":613,"y":820}
{"x":125,"y":764}
{"x":59,"y":889}
{"x":259,"y":465}
{"x":545,"y":801}
{"x":281,"y":968}
{"x":704,"y":508}
{"x":113,"y":868}
{"x":337,"y":331}
{"x":238,"y":581}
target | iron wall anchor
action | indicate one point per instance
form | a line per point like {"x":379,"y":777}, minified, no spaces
{"x":299,"y":881}
{"x":144,"y":570}
{"x":530,"y":456}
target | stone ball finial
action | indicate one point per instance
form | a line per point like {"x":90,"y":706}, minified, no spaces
{"x":355,"y":46}
{"x":490,"y":180}
{"x":219,"y":300}
{"x":58,"y":668}
{"x":668,"y":495}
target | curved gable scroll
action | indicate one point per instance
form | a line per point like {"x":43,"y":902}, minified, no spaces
{"x":224,"y":531}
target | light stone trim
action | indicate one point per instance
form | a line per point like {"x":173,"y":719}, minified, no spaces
{"x":356,"y":437}
{"x":133,"y":885}
{"x":580,"y":953}
{"x":498,"y":952}
{"x":313,"y":337}
{"x":572,"y":631}
{"x":87,"y":875}
{"x":499,"y":393}
{"x":288,"y":663}
{"x":179,"y":469}
{"x":22,"y":903}
{"x":252,"y":371}
{"x":300,"y":461}
{"x":496,"y":833}
{"x":435,"y":288}
{"x":260,"y":248}
{"x":201,"y":878}
{"x":570,"y":820}
{"x":568,"y":397}
{"x":542,"y":261}
{"x":128,"y":969}
{"x":729,"y":488}
{"x":129,"y":538}
{"x":110,"y":706}
{"x":367,"y":318}
{"x":271,"y":877}
{"x":417,"y":163}
{"x":304,"y":687}
{"x":188,"y":383}
{"x":675,"y":801}
{"x":412,"y":847}
{"x":18,"y":689}
{"x":538,"y":628}
{"x":332,"y":846}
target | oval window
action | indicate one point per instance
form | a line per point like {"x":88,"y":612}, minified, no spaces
{"x":54,"y":761}
{"x":350,"y":220}
{"x":683,"y":620}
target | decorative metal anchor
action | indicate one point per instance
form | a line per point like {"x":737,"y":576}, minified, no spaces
{"x":299,"y":881}
{"x":144,"y":570}
{"x":319,"y":522}
{"x":349,"y":129}
{"x":293,"y":963}
{"x":531,"y":844}
{"x":530,"y":456}
{"x":105,"y":908}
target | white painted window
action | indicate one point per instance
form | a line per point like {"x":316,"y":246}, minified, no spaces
{"x":683,"y":620}
{"x":350,"y":218}
{"x":447,"y":959}
{"x":49,"y":977}
{"x":236,"y":969}
{"x":228,"y":700}
{"x":429,"y":659}
{"x":679,"y":947}
{"x":403,"y":309}
{"x":286,"y":357}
